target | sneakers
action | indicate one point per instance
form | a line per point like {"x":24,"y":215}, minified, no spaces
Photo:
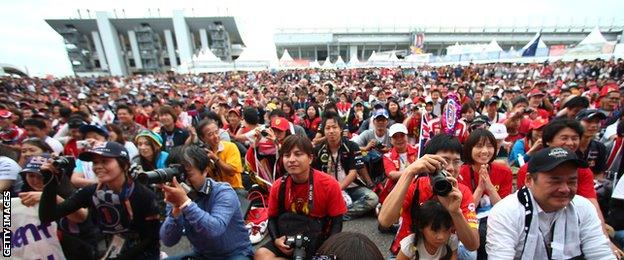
{"x":257,"y":232}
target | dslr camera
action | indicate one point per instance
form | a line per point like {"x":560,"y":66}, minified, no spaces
{"x":64,"y":164}
{"x":439,"y":184}
{"x":299,"y":243}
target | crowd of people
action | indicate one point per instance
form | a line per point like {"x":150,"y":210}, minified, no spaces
{"x":507,"y":161}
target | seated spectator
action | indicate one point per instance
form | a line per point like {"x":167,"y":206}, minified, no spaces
{"x":522,"y":149}
{"x":150,"y":155}
{"x":115,"y":134}
{"x":397,"y":159}
{"x":31,"y":147}
{"x":305,"y":201}
{"x":125,"y":118}
{"x":212,"y":221}
{"x":224,"y":155}
{"x":126,"y":210}
{"x":518,"y":225}
{"x":37,"y":128}
{"x":171,"y":134}
{"x":432,"y":236}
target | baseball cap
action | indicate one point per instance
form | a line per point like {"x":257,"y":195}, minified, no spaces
{"x":608,"y":89}
{"x":105,"y":149}
{"x":5,"y":113}
{"x":235,"y":111}
{"x":538,"y":123}
{"x":84,"y":129}
{"x":549,"y":158}
{"x":575,"y":101}
{"x":198,"y":100}
{"x":535,"y":92}
{"x":380,"y":112}
{"x":379,"y":104}
{"x":397,"y":128}
{"x":499,"y":131}
{"x":359,"y":102}
{"x":586,"y":114}
{"x":34,"y":163}
{"x":280,"y":123}
{"x":150,"y":134}
{"x":491,"y":100}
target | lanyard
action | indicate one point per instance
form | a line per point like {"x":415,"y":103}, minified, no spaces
{"x":310,"y":206}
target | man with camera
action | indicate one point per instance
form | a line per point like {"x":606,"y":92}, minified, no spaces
{"x":207,"y":212}
{"x":341,"y":158}
{"x":224,"y":154}
{"x":433,"y":176}
{"x":305,"y":206}
{"x":546,"y":219}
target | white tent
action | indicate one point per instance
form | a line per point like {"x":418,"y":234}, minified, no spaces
{"x":205,"y":55}
{"x":493,"y":47}
{"x":595,"y":37}
{"x":327,"y":64}
{"x":353,"y":60}
{"x":314,"y":64}
{"x":372,"y":57}
{"x":286,"y":57}
{"x":340,"y":63}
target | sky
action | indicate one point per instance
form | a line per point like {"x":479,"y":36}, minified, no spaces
{"x":26,"y":40}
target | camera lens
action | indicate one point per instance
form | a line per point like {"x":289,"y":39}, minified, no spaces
{"x":439,"y":184}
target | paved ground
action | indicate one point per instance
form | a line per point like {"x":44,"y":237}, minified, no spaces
{"x":366,"y":226}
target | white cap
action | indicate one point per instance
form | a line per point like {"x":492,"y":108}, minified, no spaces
{"x":397,"y":128}
{"x":499,"y":130}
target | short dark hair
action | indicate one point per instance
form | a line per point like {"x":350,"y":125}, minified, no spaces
{"x":38,"y":123}
{"x":196,"y":156}
{"x":250,"y":115}
{"x":350,"y":245}
{"x":296,"y":141}
{"x":558,"y":124}
{"x":335,"y":117}
{"x":473,"y":139}
{"x":126,"y":107}
{"x":443,"y":142}
{"x":41,"y":144}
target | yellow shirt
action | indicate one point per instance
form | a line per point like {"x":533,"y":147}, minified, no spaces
{"x":229,"y":154}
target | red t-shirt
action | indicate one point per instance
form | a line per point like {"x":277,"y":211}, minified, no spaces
{"x":71,"y":148}
{"x":436,"y":127}
{"x":467,"y":206}
{"x":500,"y":175}
{"x":391,"y":161}
{"x":584,"y":188}
{"x":328,"y":201}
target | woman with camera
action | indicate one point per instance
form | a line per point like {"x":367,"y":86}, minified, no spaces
{"x":126,"y":213}
{"x":209,"y":215}
{"x":78,"y":235}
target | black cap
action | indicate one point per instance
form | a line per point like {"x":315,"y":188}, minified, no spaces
{"x":577,"y":101}
{"x":106,"y":149}
{"x":549,"y":158}
{"x":84,"y":129}
{"x":587,"y":114}
{"x":491,"y":100}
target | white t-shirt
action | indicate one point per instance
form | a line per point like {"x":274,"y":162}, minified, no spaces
{"x":9,"y":169}
{"x":618,"y":191}
{"x":409,"y":250}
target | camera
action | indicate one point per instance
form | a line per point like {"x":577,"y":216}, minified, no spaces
{"x":64,"y":164}
{"x":439,"y":184}
{"x":83,"y":144}
{"x":299,"y":243}
{"x":162,"y":175}
{"x":264,"y":133}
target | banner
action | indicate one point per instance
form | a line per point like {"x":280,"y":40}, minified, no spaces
{"x":29,"y":238}
{"x":557,"y":50}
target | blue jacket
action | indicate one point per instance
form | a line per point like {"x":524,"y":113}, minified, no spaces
{"x":213,"y":223}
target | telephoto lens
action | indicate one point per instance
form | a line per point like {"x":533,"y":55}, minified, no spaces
{"x":162,"y":175}
{"x":439,"y":184}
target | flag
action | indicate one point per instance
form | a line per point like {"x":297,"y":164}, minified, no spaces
{"x":424,"y":135}
{"x":531,"y":48}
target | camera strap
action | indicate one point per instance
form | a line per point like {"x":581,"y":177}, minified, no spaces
{"x":282,"y":193}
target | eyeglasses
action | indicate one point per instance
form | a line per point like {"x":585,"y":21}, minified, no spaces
{"x":456,"y":163}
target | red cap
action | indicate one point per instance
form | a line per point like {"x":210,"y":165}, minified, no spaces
{"x":538,"y":123}
{"x":535,"y":92}
{"x":5,"y":113}
{"x":235,"y":111}
{"x":280,"y":123}
{"x":608,"y":89}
